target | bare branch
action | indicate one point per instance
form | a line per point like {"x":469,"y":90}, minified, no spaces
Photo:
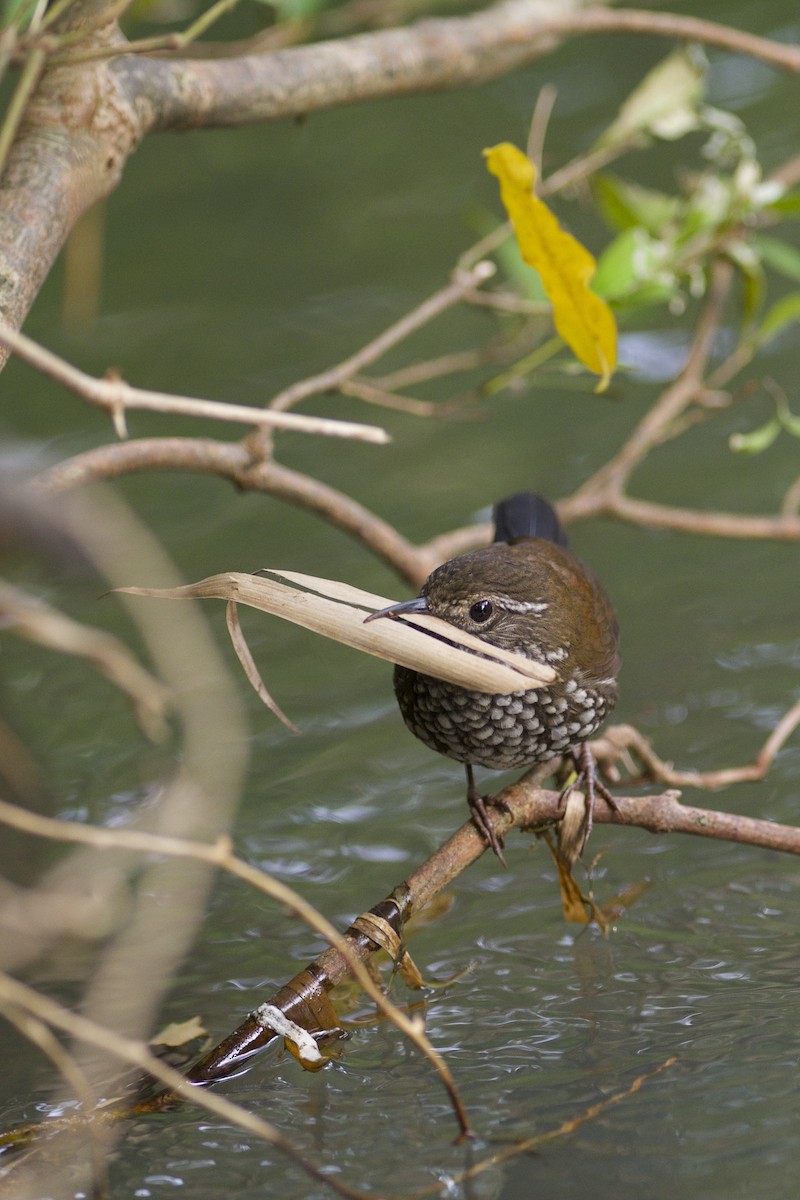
{"x":605,"y":491}
{"x":429,"y":54}
{"x":462,"y":284}
{"x":620,"y":741}
{"x":117,"y":396}
{"x":673,"y":25}
{"x":233,"y":461}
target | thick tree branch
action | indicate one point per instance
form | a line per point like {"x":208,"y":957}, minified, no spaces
{"x":428,"y":55}
{"x":87,"y":118}
{"x":234,"y":462}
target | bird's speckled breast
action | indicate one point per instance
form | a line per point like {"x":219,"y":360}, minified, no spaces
{"x":500,"y":732}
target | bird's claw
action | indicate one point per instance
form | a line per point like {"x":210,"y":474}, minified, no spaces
{"x":479,"y":806}
{"x":586,"y":774}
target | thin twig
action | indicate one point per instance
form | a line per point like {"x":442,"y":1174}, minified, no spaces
{"x":542,"y":111}
{"x":620,"y":740}
{"x":610,"y":479}
{"x":30,"y":617}
{"x":497,"y":351}
{"x":605,"y":491}
{"x":219,"y":853}
{"x":372,"y":393}
{"x":439,"y":302}
{"x":117,"y":397}
{"x":529,"y":1145}
{"x":175,"y":41}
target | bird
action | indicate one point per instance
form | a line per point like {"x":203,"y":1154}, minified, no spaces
{"x":528,"y":593}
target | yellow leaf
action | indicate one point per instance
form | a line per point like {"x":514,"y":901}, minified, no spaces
{"x":565,"y":267}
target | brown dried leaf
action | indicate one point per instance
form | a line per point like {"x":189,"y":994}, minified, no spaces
{"x":573,"y":902}
{"x":619,"y":905}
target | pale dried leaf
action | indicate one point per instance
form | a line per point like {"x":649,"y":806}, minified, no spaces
{"x":537,"y":673}
{"x":178,"y":1033}
{"x":250,"y":669}
{"x":573,"y":827}
{"x":424,"y":644}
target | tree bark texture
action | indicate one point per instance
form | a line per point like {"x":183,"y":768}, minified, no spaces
{"x":87,"y":117}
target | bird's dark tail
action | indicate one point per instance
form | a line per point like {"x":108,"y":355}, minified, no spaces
{"x":527,"y":515}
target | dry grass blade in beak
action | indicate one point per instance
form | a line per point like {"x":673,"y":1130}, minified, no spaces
{"x":337,"y":611}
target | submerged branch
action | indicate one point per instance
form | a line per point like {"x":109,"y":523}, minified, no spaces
{"x":137,"y":1054}
{"x":304,"y":1000}
{"x":529,"y":807}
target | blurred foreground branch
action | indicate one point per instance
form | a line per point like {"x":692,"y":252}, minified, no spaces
{"x":525,"y":805}
{"x":303,"y":999}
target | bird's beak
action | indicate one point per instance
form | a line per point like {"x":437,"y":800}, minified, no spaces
{"x":418,"y":605}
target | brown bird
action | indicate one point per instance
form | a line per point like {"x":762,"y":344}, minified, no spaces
{"x":527,"y":593}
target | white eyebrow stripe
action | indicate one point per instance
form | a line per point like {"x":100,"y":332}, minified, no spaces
{"x":524,"y":606}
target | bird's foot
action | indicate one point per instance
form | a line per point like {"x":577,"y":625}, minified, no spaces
{"x":479,"y":807}
{"x":586,"y":776}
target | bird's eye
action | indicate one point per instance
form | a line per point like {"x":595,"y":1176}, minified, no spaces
{"x":481,"y":611}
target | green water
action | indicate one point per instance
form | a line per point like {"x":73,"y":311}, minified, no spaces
{"x":237,"y":262}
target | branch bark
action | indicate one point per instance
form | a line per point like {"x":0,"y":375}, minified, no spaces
{"x":87,"y":117}
{"x":89,"y":114}
{"x":528,"y":807}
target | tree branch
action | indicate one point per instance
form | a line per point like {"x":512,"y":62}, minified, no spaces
{"x":528,"y":807}
{"x":428,"y":55}
{"x":233,"y":461}
{"x":86,"y":119}
{"x":117,"y":397}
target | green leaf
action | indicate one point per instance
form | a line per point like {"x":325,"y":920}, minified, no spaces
{"x":756,"y":441}
{"x":779,"y":255}
{"x":631,"y":270}
{"x":787,"y":205}
{"x":666,"y":103}
{"x":785,"y":312}
{"x":624,"y":204}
